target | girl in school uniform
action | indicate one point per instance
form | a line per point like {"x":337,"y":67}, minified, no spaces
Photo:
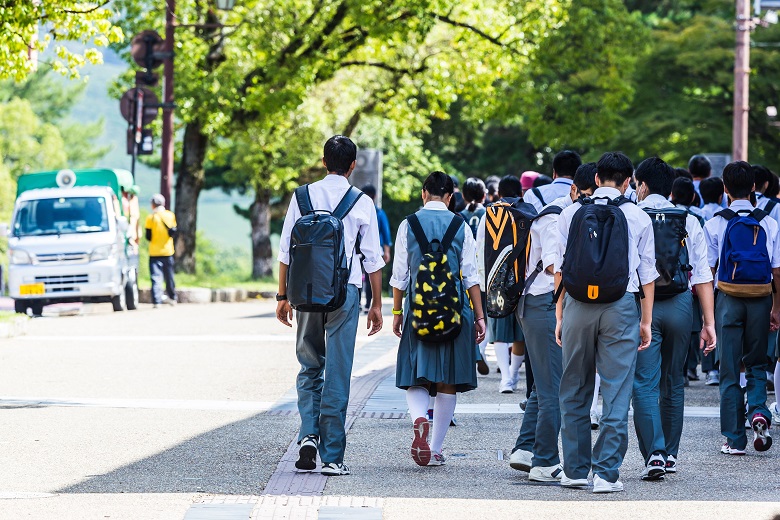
{"x":440,"y":369}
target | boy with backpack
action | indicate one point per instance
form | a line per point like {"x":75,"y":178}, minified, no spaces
{"x":660,"y":369}
{"x":327,"y":226}
{"x":609,"y":259}
{"x":744,"y":250}
{"x":536,"y":448}
{"x":435,"y":265}
{"x":565,"y":164}
{"x":712,"y":194}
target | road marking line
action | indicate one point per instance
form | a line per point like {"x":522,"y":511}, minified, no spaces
{"x":229,"y":338}
{"x":219,"y":512}
{"x":152,"y":404}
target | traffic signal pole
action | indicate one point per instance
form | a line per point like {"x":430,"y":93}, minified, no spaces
{"x":742,"y":82}
{"x":166,"y":164}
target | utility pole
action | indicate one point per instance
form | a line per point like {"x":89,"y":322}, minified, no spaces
{"x":166,"y":164}
{"x":742,"y":81}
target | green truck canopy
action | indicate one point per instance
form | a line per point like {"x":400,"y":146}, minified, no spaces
{"x":117,"y":180}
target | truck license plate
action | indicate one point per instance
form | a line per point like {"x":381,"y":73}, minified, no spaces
{"x":32,"y":289}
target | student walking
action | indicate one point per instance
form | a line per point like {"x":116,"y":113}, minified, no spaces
{"x":743,"y":246}
{"x":160,"y":232}
{"x":565,"y":164}
{"x":660,"y":369}
{"x":609,"y":258}
{"x":536,"y":448}
{"x":327,"y":315}
{"x":435,"y":264}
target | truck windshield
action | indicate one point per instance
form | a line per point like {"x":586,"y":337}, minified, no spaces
{"x":61,"y":216}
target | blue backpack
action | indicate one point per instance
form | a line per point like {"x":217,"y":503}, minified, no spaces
{"x":744,"y":269}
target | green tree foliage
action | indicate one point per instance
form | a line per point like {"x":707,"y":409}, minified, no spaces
{"x":22,"y":21}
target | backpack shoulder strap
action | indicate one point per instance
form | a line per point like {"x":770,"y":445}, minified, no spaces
{"x":452,"y":230}
{"x":538,"y":193}
{"x":622,"y":200}
{"x":303,"y":199}
{"x":550,"y":210}
{"x":348,"y":202}
{"x":759,"y":214}
{"x":770,"y":205}
{"x":726,"y":213}
{"x":419,"y":233}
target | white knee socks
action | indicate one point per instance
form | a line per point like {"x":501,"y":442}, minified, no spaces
{"x":443,"y":411}
{"x":417,"y":400}
{"x":483,"y":348}
{"x":502,"y":357}
{"x":777,"y":381}
{"x":514,"y":367}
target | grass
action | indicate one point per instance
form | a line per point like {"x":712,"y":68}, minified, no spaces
{"x":7,"y":316}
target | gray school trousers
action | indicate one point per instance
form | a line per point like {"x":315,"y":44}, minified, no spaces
{"x":660,"y":378}
{"x":325,"y":348}
{"x":743,"y":329}
{"x":542,"y":419}
{"x":604,"y":337}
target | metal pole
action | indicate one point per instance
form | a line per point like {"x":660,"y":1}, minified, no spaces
{"x":742,"y":82}
{"x":166,"y":165}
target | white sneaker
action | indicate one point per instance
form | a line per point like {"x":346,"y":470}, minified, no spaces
{"x":576,"y":483}
{"x":521,"y":460}
{"x":333,"y":469}
{"x":546,"y":473}
{"x":506,"y":387}
{"x":656,"y":468}
{"x":602,"y":486}
{"x":775,"y":413}
{"x":437,"y":459}
{"x":595,"y":419}
{"x":671,"y":464}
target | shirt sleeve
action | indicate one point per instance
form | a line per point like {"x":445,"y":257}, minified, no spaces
{"x":562,"y":234}
{"x":400,"y":276}
{"x":468,"y":260}
{"x":531,"y":198}
{"x":372,"y":252}
{"x":480,"y":253}
{"x":293,"y":214}
{"x":697,"y":252}
{"x":548,"y":234}
{"x":711,"y":241}
{"x":775,"y":253}
{"x":148,"y":224}
{"x":646,"y":245}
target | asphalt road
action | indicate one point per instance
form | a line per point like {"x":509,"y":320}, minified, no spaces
{"x":161,"y":414}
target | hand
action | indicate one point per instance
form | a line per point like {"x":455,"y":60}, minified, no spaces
{"x":374,"y":321}
{"x":284,"y":312}
{"x":479,"y":329}
{"x":708,"y":340}
{"x":386,"y":256}
{"x":645,"y":335}
{"x":774,"y":319}
{"x":398,"y":323}
{"x":558,"y":327}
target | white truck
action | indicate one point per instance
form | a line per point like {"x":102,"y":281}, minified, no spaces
{"x":68,"y":241}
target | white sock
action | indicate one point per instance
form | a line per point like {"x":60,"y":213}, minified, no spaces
{"x":442,"y":415}
{"x":483,"y":348}
{"x":742,"y":380}
{"x":502,"y":357}
{"x":514,"y":367}
{"x":777,"y":381}
{"x":417,"y":400}
{"x":594,"y":407}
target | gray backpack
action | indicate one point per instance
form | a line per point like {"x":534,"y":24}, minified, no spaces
{"x":318,"y":274}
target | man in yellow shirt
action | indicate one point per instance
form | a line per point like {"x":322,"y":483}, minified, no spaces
{"x":160,"y":232}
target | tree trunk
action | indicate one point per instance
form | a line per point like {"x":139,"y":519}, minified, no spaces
{"x":260,"y":217}
{"x":189,"y":183}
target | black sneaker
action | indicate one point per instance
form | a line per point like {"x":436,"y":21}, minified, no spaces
{"x":692,"y":375}
{"x":334,"y":469}
{"x":307,"y":454}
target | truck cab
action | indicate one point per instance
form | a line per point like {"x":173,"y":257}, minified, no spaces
{"x":68,"y":241}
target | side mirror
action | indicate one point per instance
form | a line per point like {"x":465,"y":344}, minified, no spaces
{"x":4,"y":229}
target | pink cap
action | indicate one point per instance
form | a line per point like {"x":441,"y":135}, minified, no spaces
{"x":527,"y":179}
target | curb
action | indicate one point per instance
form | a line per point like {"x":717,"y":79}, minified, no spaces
{"x":16,"y":327}
{"x":205,"y":295}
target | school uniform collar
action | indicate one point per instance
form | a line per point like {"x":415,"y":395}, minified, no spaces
{"x":740,"y":205}
{"x":436,"y":205}
{"x":655,"y":201}
{"x":563,"y":180}
{"x":336,"y":179}
{"x":607,"y":191}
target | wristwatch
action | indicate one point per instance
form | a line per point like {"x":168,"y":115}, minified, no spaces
{"x":281,"y":297}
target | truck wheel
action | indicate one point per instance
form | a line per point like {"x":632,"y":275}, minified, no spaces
{"x":20,"y":306}
{"x":131,"y":295}
{"x":37,"y":308}
{"x":119,"y":301}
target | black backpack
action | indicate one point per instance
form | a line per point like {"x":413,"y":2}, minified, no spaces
{"x":595,"y":265}
{"x":437,"y":306}
{"x":318,"y":274}
{"x":473,"y":218}
{"x":671,"y":251}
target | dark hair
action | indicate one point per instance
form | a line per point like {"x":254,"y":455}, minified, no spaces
{"x":739,"y":179}
{"x":473,"y":192}
{"x":369,"y":190}
{"x":700,"y":167}
{"x":585,"y":178}
{"x":711,"y":190}
{"x":510,"y":187}
{"x":565,"y":163}
{"x":683,"y":191}
{"x":542,"y":180}
{"x":774,"y":187}
{"x":454,"y":180}
{"x":439,"y":184}
{"x":657,"y":175}
{"x":682,"y":172}
{"x":762,"y":175}
{"x":614,"y":167}
{"x":339,"y":154}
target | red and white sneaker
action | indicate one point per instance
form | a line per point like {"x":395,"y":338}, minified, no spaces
{"x":762,"y":441}
{"x":728,"y":450}
{"x":421,"y":451}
